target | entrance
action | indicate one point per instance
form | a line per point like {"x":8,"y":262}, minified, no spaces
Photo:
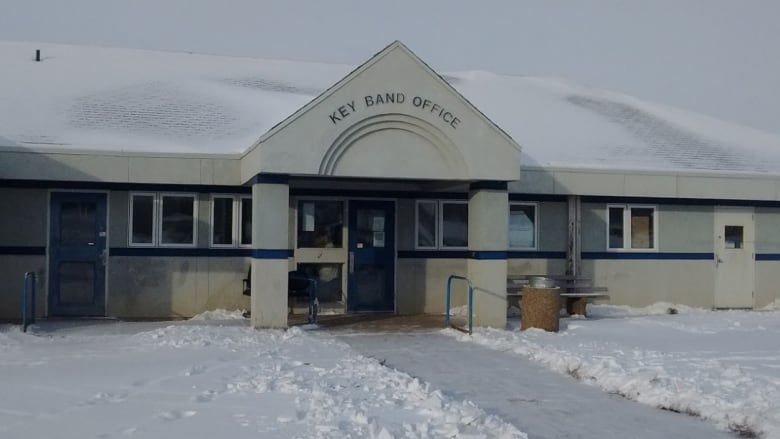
{"x":371,"y":278}
{"x":77,"y":254}
{"x":734,"y":257}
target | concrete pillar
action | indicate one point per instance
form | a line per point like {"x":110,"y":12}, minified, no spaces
{"x":270,"y":231}
{"x":488,"y":242}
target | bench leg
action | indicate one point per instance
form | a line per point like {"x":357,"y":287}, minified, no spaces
{"x":576,"y":305}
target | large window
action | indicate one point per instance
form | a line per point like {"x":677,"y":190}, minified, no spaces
{"x":441,"y":224}
{"x":522,"y":226}
{"x":320,"y":223}
{"x":163,"y":219}
{"x":231,"y":220}
{"x":632,"y":227}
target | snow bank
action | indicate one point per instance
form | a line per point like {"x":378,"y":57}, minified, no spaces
{"x":720,"y":366}
{"x":220,"y":314}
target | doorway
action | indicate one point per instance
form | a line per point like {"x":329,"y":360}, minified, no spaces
{"x":371,"y":264}
{"x":77,"y":254}
{"x":734,"y":257}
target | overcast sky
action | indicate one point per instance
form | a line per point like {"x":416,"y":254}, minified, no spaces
{"x":717,"y":57}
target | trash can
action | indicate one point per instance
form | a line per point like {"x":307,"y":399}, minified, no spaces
{"x":540,"y":305}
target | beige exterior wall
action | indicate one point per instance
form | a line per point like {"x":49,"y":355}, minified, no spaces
{"x":644,"y":282}
{"x":174,"y":287}
{"x":422,"y":285}
{"x":95,"y":166}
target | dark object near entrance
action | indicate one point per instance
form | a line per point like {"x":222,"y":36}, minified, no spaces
{"x":299,"y":286}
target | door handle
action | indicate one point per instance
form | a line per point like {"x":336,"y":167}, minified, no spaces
{"x":104,"y":257}
{"x":351,"y":262}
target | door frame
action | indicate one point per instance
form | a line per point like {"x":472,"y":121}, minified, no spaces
{"x":717,"y":224}
{"x":394,"y":202}
{"x":48,"y":276}
{"x":294,"y":199}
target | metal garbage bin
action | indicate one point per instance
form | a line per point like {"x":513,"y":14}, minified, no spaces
{"x":540,"y":305}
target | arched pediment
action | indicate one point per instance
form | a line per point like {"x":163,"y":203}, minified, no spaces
{"x":392,"y":117}
{"x":394,"y":144}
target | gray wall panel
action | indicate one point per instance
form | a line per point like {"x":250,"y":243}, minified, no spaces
{"x":594,"y":227}
{"x":12,"y":269}
{"x":553,"y":226}
{"x":118,"y":217}
{"x":686,"y":228}
{"x":767,"y":230}
{"x":27,"y":225}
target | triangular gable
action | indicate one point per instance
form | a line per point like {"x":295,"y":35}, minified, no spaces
{"x":392,"y":117}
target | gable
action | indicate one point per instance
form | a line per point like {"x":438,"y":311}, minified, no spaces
{"x":393,"y":117}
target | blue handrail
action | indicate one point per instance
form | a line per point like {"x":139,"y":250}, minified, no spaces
{"x":29,"y":275}
{"x":471,"y":299}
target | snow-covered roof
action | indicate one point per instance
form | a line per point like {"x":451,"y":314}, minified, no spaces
{"x":111,"y":99}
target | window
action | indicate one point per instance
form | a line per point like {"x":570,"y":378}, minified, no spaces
{"x":245,"y":226}
{"x":177,"y":222}
{"x":222,"y":225}
{"x":441,"y":224}
{"x":522,"y":226}
{"x":173,"y":223}
{"x":142,"y":214}
{"x":320,"y":223}
{"x":454,"y":224}
{"x":231,"y":221}
{"x":631,"y":227}
{"x":426,"y":224}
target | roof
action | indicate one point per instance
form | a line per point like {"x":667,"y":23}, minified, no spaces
{"x":95,"y":98}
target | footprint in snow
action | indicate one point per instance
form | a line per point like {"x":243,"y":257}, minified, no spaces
{"x":174,"y":415}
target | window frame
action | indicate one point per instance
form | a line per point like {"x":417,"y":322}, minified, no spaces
{"x":536,"y":225}
{"x":233,"y":221}
{"x":438,"y":224}
{"x":130,"y":242}
{"x":436,"y":233}
{"x":626,"y":248}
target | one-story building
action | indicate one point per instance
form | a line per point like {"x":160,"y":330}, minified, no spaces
{"x":143,"y":184}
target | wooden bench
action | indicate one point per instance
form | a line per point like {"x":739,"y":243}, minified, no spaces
{"x":576,"y":291}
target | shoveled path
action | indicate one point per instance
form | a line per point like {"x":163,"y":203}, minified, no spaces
{"x":542,"y":403}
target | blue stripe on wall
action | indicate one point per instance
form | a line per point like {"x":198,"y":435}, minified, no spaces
{"x":489,"y":185}
{"x":452,"y":254}
{"x":535,"y":255}
{"x":648,"y":256}
{"x":189,"y":252}
{"x":267,"y":253}
{"x":768,"y":256}
{"x":270,"y":179}
{"x":20,"y":250}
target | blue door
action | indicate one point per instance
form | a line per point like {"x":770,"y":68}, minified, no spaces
{"x":77,"y":254}
{"x":371,"y":278}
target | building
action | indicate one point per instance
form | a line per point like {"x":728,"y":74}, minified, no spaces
{"x":145,"y":185}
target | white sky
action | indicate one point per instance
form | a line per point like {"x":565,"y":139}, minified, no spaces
{"x":718,"y":57}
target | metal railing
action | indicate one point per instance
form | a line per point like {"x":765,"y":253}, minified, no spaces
{"x":471,"y":299}
{"x":25,"y":321}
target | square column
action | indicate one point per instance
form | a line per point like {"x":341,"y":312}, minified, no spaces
{"x":488,"y":243}
{"x":270,"y":231}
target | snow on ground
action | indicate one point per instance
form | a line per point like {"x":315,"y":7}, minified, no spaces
{"x":723,"y":366}
{"x":214,"y":377}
